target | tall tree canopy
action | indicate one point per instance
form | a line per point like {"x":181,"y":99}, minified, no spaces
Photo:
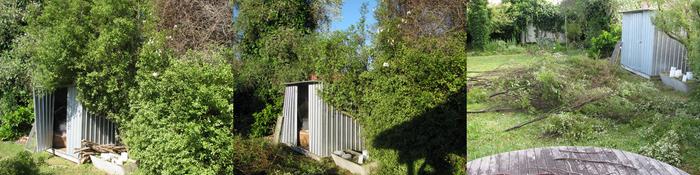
{"x":479,"y":26}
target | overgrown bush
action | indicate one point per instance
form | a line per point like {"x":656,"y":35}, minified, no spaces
{"x":418,"y":86}
{"x":666,"y":149}
{"x":479,"y":25}
{"x":498,"y":47}
{"x":265,"y":120}
{"x":92,"y":44}
{"x":670,"y":137}
{"x":272,"y":52}
{"x":588,"y":19}
{"x":21,"y":164}
{"x":183,"y":116}
{"x":572,"y":126}
{"x":502,"y":24}
{"x":476,"y":95}
{"x":16,"y":123}
{"x":602,"y":46}
{"x":15,"y":89}
{"x":259,"y":156}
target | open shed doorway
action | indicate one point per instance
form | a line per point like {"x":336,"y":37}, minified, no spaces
{"x":303,"y":113}
{"x":60,"y":119}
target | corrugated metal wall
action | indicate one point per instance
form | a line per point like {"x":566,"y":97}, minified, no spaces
{"x":43,"y":120}
{"x":98,"y":129}
{"x":668,"y":53}
{"x":330,"y":129}
{"x":289,"y":123}
{"x":646,"y":50}
{"x":80,"y":124}
{"x":73,"y":122}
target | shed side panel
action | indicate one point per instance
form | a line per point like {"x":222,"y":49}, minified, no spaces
{"x":315,"y":127}
{"x":289,"y":124}
{"x":647,"y":43}
{"x":99,"y":129}
{"x":669,"y":53}
{"x":43,"y":120}
{"x":73,"y":123}
{"x":339,"y":131}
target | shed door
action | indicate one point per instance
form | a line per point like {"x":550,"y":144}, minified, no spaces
{"x":639,"y":41}
{"x":289,"y":124}
{"x":73,"y":122}
{"x":43,"y":120}
{"x":632,"y":34}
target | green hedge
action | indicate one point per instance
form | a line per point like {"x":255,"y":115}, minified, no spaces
{"x":183,"y":116}
{"x":411,"y":105}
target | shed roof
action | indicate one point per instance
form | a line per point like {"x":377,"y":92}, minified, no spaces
{"x":302,"y":82}
{"x":638,"y":10}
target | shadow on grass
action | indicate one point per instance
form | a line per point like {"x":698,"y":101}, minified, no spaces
{"x":432,"y":136}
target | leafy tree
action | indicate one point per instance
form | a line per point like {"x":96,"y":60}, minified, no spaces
{"x":502,"y":24}
{"x":479,"y":24}
{"x":15,"y":84}
{"x":271,"y":47}
{"x":92,"y":44}
{"x":540,"y":13}
{"x":411,"y":76}
{"x":588,"y":19}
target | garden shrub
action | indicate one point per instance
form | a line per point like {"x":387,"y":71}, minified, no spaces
{"x":265,"y":120}
{"x":614,"y":107}
{"x":16,"y":123}
{"x":21,"y":164}
{"x":183,"y":116}
{"x":259,"y":156}
{"x":572,"y":126}
{"x":666,"y":149}
{"x":671,"y":138}
{"x":15,"y":89}
{"x":602,"y":46}
{"x":499,"y":47}
{"x":476,"y":95}
{"x":418,"y":86}
{"x":502,"y":24}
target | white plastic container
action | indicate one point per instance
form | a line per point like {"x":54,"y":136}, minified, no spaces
{"x":672,"y":72}
{"x":678,"y":73}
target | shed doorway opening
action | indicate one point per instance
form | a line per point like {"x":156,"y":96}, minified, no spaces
{"x":303,"y":119}
{"x":60,"y":119}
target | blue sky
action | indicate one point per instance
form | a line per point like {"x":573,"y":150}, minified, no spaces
{"x":350,"y":14}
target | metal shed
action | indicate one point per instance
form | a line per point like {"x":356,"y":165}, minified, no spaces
{"x":307,"y":119}
{"x":647,"y":51}
{"x":61,"y":112}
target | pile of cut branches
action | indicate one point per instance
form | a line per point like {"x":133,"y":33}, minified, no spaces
{"x":90,"y":148}
{"x":548,"y":87}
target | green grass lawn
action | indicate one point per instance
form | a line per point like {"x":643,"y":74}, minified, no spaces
{"x":486,"y":135}
{"x":486,"y":63}
{"x":52,"y":164}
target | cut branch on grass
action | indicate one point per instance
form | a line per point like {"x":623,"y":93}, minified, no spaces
{"x":576,"y":106}
{"x":506,"y":91}
{"x":526,"y":123}
{"x":492,"y":110}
